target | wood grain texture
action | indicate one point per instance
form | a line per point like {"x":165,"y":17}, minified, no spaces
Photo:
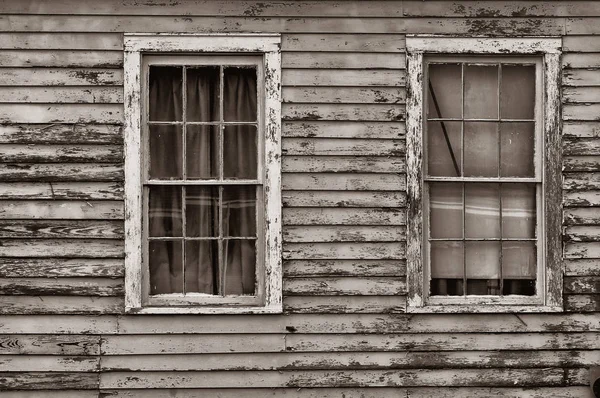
{"x":60,"y":267}
{"x":61,"y":209}
{"x":309,"y":268}
{"x":50,"y":172}
{"x":343,"y":182}
{"x":343,"y":129}
{"x":341,"y":147}
{"x":343,"y":95}
{"x":354,"y":392}
{"x":60,"y":77}
{"x":336,"y":77}
{"x":61,"y":190}
{"x":60,"y":305}
{"x":49,"y":345}
{"x":343,"y":199}
{"x":300,"y":379}
{"x":343,"y":163}
{"x":344,"y":286}
{"x":48,"y":380}
{"x":58,"y":133}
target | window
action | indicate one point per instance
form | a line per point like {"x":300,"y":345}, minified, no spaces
{"x":202,"y":166}
{"x":483,"y":175}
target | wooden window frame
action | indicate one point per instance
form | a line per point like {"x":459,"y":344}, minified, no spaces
{"x":204,"y":49}
{"x":550,"y":268}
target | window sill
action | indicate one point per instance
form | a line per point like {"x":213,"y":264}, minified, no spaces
{"x":273,"y":309}
{"x":479,"y":309}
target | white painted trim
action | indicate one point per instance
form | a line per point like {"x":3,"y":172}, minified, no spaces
{"x":269,"y":46}
{"x":133,"y":180}
{"x":202,"y":43}
{"x":484,"y":45}
{"x":414,"y":180}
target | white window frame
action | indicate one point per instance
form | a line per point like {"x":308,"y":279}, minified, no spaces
{"x":203,"y":45}
{"x":550,"y":267}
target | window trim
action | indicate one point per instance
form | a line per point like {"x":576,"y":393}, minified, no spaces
{"x":267,"y":45}
{"x":549,"y":48}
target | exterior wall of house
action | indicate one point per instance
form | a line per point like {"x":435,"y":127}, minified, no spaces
{"x":344,"y":331}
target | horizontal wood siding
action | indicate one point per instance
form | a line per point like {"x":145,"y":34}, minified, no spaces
{"x":344,"y":331}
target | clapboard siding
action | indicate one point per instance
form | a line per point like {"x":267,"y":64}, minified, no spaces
{"x":344,"y":331}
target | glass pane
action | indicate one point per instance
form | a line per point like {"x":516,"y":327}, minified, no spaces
{"x":516,"y":149}
{"x":446,"y":210}
{"x":482,"y":211}
{"x":518,"y":210}
{"x":166,"y":268}
{"x":240,"y":152}
{"x":447,"y":260}
{"x":164,"y":211}
{"x":483,"y":267}
{"x":518,"y":260}
{"x":164,"y":93}
{"x":445,"y":90}
{"x":240,"y":266}
{"x":447,"y":287}
{"x":202,"y":94}
{"x":166,"y":153}
{"x":517,"y":94}
{"x":202,"y":211}
{"x":481,"y":91}
{"x":202,"y":148}
{"x":239,"y":211}
{"x":444,"y":152}
{"x":481,"y":149}
{"x":202,"y":266}
{"x":239,"y":94}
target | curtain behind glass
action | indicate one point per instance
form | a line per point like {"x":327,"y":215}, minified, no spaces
{"x":202,"y":204}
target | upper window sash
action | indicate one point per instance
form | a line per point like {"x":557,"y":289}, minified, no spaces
{"x":549,"y":50}
{"x":268,"y":47}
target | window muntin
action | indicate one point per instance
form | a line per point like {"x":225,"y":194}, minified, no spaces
{"x":203,"y":183}
{"x":483,"y":177}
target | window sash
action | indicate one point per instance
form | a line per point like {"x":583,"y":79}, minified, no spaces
{"x":537,"y":178}
{"x":221,"y":61}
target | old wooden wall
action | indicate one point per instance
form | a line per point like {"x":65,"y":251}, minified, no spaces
{"x":344,"y":331}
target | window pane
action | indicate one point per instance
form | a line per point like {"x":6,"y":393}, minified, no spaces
{"x":240,"y":266}
{"x":481,"y":149}
{"x":447,"y":260}
{"x":517,"y":94}
{"x":482,"y":210}
{"x":202,"y":148}
{"x":203,"y":94}
{"x":164,"y":211}
{"x":483,"y":267}
{"x":444,"y":149}
{"x":519,"y":267}
{"x":166,"y":268}
{"x":516,"y":149}
{"x":239,"y":94}
{"x":202,"y":211}
{"x":481,"y":91}
{"x":165,"y":97}
{"x":166,"y":154}
{"x":518,"y":210}
{"x":446,"y":210}
{"x":240,"y":152}
{"x":445,"y":90}
{"x":202,"y":266}
{"x":447,"y":287}
{"x":239,"y":211}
